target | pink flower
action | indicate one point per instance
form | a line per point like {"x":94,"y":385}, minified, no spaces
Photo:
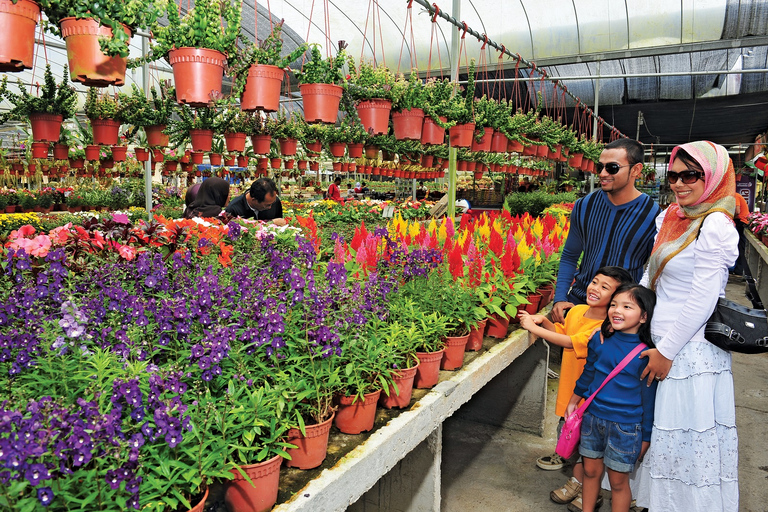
{"x":37,"y":246}
{"x":61,"y":233}
{"x":121,"y":218}
{"x":23,"y":231}
{"x":126,"y":252}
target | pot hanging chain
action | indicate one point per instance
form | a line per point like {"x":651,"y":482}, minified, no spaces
{"x":412,"y":49}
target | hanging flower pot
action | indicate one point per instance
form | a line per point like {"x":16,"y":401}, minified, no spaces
{"x":202,"y":140}
{"x":119,"y":153}
{"x":288,"y":146}
{"x":453,"y":356}
{"x":407,"y":124}
{"x":515,"y":146}
{"x":374,"y":114}
{"x":461,"y":135}
{"x":105,"y":131}
{"x":531,"y":150}
{"x":336,"y":166}
{"x":230,"y":160}
{"x":376,"y":171}
{"x":321,"y":102}
{"x":196,"y":73}
{"x":302,"y":165}
{"x":197,"y":157}
{"x":45,"y":127}
{"x":276,"y":163}
{"x":289,"y":163}
{"x":461,"y":165}
{"x":497,"y":326}
{"x":555,"y":154}
{"x":170,"y":166}
{"x":76,"y":163}
{"x":17,"y":34}
{"x":431,"y":132}
{"x":312,"y":447}
{"x":215,"y":158}
{"x":87,"y":63}
{"x":371,"y":152}
{"x":426,"y":160}
{"x":261,"y":144}
{"x":355,"y":150}
{"x":155,"y":135}
{"x":40,"y":149}
{"x":262,"y":88}
{"x":428,"y":372}
{"x":499,"y":143}
{"x":542,"y":150}
{"x":475,"y":340}
{"x":60,"y":151}
{"x":259,"y":496}
{"x":107,"y":163}
{"x":314,"y":147}
{"x":142,"y":155}
{"x":345,"y":167}
{"x":314,"y":166}
{"x":242,"y":161}
{"x":235,"y":141}
{"x":356,"y":416}
{"x":158,"y":155}
{"x":484,"y":144}
{"x":575,"y":159}
{"x":478,"y":175}
{"x":337,"y":149}
{"x":92,"y":152}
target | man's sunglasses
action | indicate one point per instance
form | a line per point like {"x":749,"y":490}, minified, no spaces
{"x":611,"y":167}
{"x":689,"y":177}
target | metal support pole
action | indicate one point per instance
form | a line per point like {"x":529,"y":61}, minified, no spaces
{"x":639,"y":123}
{"x":453,"y":152}
{"x":148,"y":164}
{"x":594,"y":123}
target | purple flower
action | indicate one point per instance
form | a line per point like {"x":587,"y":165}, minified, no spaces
{"x":45,"y":496}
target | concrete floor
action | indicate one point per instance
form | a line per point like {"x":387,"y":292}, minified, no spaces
{"x":491,"y":469}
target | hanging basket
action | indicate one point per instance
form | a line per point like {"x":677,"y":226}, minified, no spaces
{"x":40,"y":149}
{"x":261,"y":144}
{"x":155,"y":135}
{"x":337,"y":149}
{"x":461,"y":135}
{"x":484,"y":144}
{"x":321,"y":102}
{"x":60,"y":151}
{"x":87,"y":63}
{"x":374,"y":114}
{"x":499,"y":143}
{"x":105,"y":131}
{"x":235,"y":141}
{"x":575,"y":160}
{"x":142,"y":155}
{"x":407,"y":124}
{"x":355,"y":150}
{"x":92,"y":152}
{"x":262,"y":88}
{"x":119,"y":153}
{"x":197,"y":157}
{"x":515,"y":146}
{"x":215,"y":159}
{"x":197,"y":72}
{"x":431,"y":132}
{"x":314,"y":147}
{"x":288,"y":146}
{"x":17,"y":34}
{"x":202,"y":140}
{"x":45,"y":127}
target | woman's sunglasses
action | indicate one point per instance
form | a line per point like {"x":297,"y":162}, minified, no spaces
{"x":689,"y":177}
{"x":611,"y":167}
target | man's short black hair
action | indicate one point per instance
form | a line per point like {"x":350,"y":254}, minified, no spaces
{"x":635,"y":150}
{"x":261,"y":187}
{"x":337,"y":180}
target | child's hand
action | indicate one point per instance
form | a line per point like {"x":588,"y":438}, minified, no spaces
{"x":538,"y":319}
{"x":643,"y":449}
{"x":526,"y":321}
{"x":570,"y":409}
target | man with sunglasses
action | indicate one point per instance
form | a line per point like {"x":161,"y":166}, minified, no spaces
{"x":613,"y":226}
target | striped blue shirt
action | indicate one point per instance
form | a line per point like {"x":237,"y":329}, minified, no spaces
{"x":606,"y":234}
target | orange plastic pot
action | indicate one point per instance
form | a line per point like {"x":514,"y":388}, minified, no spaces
{"x":242,"y":161}
{"x":431,"y":132}
{"x":546,"y":295}
{"x":171,"y":166}
{"x":92,"y":152}
{"x":542,"y":150}
{"x":235,"y":141}
{"x":374,"y":114}
{"x":355,"y":150}
{"x":475,"y":340}
{"x":321,"y":102}
{"x":428,"y":372}
{"x":202,"y":140}
{"x":262,"y":88}
{"x":60,"y":151}
{"x":155,"y":135}
{"x":407,"y":124}
{"x":311,"y":448}
{"x":197,"y":72}
{"x":87,"y":63}
{"x":575,"y":160}
{"x":105,"y":131}
{"x":230,"y":162}
{"x":142,"y":155}
{"x":40,"y":149}
{"x":45,"y":127}
{"x":515,"y":146}
{"x":197,"y":157}
{"x":484,"y":144}
{"x":533,"y":307}
{"x":289,"y":163}
{"x":400,"y":397}
{"x":461,"y":135}
{"x":119,"y":153}
{"x":453,"y":356}
{"x":215,"y":158}
{"x":497,"y":326}
{"x":313,"y":147}
{"x":499,"y":143}
{"x":17,"y":34}
{"x":356,"y":416}
{"x":276,"y":163}
{"x":259,"y":496}
{"x":288,"y":146}
{"x":261,"y":144}
{"x":158,"y":155}
{"x":201,"y":505}
{"x":337,"y":149}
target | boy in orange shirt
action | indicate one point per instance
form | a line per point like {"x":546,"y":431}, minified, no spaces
{"x":573,"y":336}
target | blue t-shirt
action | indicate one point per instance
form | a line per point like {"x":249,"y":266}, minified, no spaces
{"x":626,"y":398}
{"x":606,"y":234}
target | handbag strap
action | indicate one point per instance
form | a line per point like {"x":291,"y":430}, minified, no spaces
{"x":624,"y":362}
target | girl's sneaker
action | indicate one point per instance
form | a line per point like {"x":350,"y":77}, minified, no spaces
{"x":550,"y":462}
{"x":566,"y":493}
{"x":578,"y":506}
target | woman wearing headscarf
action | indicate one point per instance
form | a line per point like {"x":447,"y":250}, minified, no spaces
{"x":211,"y":199}
{"x":190,"y":196}
{"x":692,"y":463}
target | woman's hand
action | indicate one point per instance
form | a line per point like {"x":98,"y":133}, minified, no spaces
{"x":658,"y":365}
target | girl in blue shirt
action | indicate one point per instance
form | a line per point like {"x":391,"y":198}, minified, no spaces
{"x":616,"y":428}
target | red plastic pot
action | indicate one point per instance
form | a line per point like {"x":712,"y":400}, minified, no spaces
{"x":475,"y":340}
{"x":407,"y":124}
{"x":107,"y":163}
{"x":302,"y":165}
{"x":155,"y":135}
{"x":575,"y":159}
{"x":105,"y":131}
{"x":60,"y":151}
{"x":45,"y":127}
{"x":313,"y":147}
{"x":374,"y":114}
{"x":431,"y":132}
{"x":201,"y":504}
{"x":355,"y":150}
{"x":499,"y":143}
{"x":400,"y":398}
{"x":336,"y":166}
{"x":461,"y":135}
{"x":215,"y":158}
{"x":288,"y":146}
{"x":311,"y":448}
{"x":92,"y":152}
{"x":262,"y":88}
{"x":276,"y":163}
{"x":321,"y":102}
{"x":235,"y":141}
{"x":428,"y":372}
{"x":261,"y":144}
{"x":533,"y":307}
{"x":542,"y":150}
{"x":119,"y":153}
{"x":453,"y":356}
{"x":142,"y":155}
{"x":484,"y":144}
{"x":242,"y":161}
{"x":17,"y":34}
{"x":202,"y":140}
{"x":77,"y":163}
{"x":197,"y":157}
{"x":497,"y":326}
{"x":171,"y":166}
{"x":230,"y":161}
{"x":531,"y":150}
{"x":515,"y":146}
{"x":546,"y":295}
{"x":371,"y":152}
{"x":87,"y":63}
{"x":259,"y":496}
{"x":40,"y":149}
{"x":158,"y":155}
{"x":289,"y":163}
{"x":337,"y":149}
{"x":197,"y":72}
{"x":356,"y":416}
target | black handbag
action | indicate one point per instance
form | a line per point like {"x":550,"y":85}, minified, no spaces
{"x":737,"y":328}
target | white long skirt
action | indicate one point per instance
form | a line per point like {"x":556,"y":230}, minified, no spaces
{"x":692,"y":463}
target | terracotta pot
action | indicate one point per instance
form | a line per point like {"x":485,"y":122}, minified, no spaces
{"x":196,"y":73}
{"x":230,"y":161}
{"x":401,"y":397}
{"x":357,"y":417}
{"x":431,"y":132}
{"x":45,"y":127}
{"x":475,"y":341}
{"x":337,"y":149}
{"x":261,"y":495}
{"x":302,"y":165}
{"x":314,"y":147}
{"x":555,"y":154}
{"x":534,"y":299}
{"x":60,"y":151}
{"x":202,"y":140}
{"x":197,"y":157}
{"x":461,"y":135}
{"x":262,"y":88}
{"x":515,"y":146}
{"x":105,"y":131}
{"x":321,"y":102}
{"x":426,"y":160}
{"x":312,"y":448}
{"x":546,"y":295}
{"x":355,"y":150}
{"x":17,"y":34}
{"x":289,"y":163}
{"x":484,"y":144}
{"x":87,"y":63}
{"x":288,"y":146}
{"x":276,"y":163}
{"x":542,"y":150}
{"x":407,"y":124}
{"x":235,"y":141}
{"x":107,"y":163}
{"x":336,"y":166}
{"x":155,"y":135}
{"x":497,"y":326}
{"x":242,"y":161}
{"x":201,"y":505}
{"x":499,"y":143}
{"x":76,"y":163}
{"x":531,"y":150}
{"x":215,"y":159}
{"x":40,"y":149}
{"x":119,"y":153}
{"x":374,"y":114}
{"x":142,"y":155}
{"x":461,"y":165}
{"x":314,"y":166}
{"x":575,"y":159}
{"x":429,"y":369}
{"x":261,"y":143}
{"x":171,"y":166}
{"x":478,"y":175}
{"x":371,"y":152}
{"x":453,"y":356}
{"x":158,"y":155}
{"x":764,"y":239}
{"x":92,"y":152}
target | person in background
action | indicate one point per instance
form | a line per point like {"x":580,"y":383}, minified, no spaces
{"x":741,"y":218}
{"x":421,"y":192}
{"x":211,"y":199}
{"x":260,"y":202}
{"x":364,"y":189}
{"x":358,"y":188}
{"x":190,"y":196}
{"x":334,"y":193}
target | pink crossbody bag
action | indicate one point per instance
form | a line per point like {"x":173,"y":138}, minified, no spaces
{"x":571,"y":432}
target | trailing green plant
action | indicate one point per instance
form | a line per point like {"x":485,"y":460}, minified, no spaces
{"x":319,"y":70}
{"x":141,"y":111}
{"x":288,"y":127}
{"x":519,"y":125}
{"x":438,"y":93}
{"x":105,"y":106}
{"x":368,"y":82}
{"x":409,"y":93}
{"x":191,"y":118}
{"x":460,"y":108}
{"x":233,"y":120}
{"x":57,"y":99}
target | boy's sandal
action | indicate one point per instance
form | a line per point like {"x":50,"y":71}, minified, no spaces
{"x":550,"y":462}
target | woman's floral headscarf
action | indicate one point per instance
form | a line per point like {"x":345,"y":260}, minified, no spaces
{"x":682,"y":223}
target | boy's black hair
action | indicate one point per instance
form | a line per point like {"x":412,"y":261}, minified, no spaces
{"x":646,"y":301}
{"x":619,"y":274}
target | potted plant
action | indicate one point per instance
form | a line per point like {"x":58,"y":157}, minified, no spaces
{"x":106,"y":114}
{"x":288,"y":130}
{"x":408,"y":101}
{"x":460,"y":109}
{"x":195,"y":125}
{"x":370,"y":87}
{"x":234,"y":125}
{"x":197,"y":47}
{"x":488,"y":114}
{"x":150,"y":114}
{"x":259,"y":128}
{"x":438,"y":93}
{"x":45,"y":112}
{"x":19,"y":20}
{"x":320,"y":82}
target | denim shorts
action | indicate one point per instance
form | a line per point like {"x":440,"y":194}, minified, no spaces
{"x":618,"y":444}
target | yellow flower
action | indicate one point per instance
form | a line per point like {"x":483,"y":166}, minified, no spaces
{"x":414,"y":229}
{"x":538,"y":228}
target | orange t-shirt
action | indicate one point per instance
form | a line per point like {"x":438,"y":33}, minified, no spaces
{"x":743,"y":207}
{"x":580,"y":329}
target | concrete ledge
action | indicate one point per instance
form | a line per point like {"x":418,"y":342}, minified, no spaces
{"x":338,"y":487}
{"x":756,"y":255}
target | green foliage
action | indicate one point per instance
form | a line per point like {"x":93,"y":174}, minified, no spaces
{"x":287,"y":127}
{"x":105,"y":106}
{"x":191,"y":118}
{"x":141,"y":111}
{"x":408,"y":94}
{"x":57,"y":99}
{"x":369,"y":82}
{"x":460,"y":109}
{"x":438,"y":97}
{"x":410,"y":311}
{"x":318,"y":70}
{"x":535,"y":202}
{"x":234,"y":120}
